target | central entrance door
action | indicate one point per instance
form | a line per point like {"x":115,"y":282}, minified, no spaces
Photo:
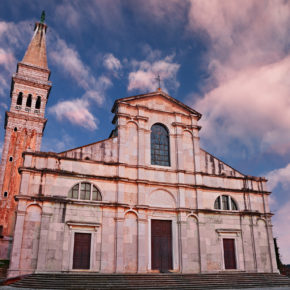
{"x":161,"y":245}
{"x":82,"y":251}
{"x":229,"y":254}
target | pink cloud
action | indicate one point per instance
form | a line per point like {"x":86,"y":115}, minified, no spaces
{"x":68,"y":60}
{"x":279,"y":176}
{"x":247,"y":95}
{"x":111,"y":62}
{"x":143,"y":77}
{"x":12,"y":37}
{"x":281,"y":221}
{"x":76,"y":111}
{"x":252,"y":104}
{"x":102,"y":13}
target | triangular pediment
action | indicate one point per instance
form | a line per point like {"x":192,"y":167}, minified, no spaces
{"x":158,"y":101}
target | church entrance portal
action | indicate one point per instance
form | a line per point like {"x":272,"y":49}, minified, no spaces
{"x":161,"y":245}
{"x":229,"y":254}
{"x":82,"y":251}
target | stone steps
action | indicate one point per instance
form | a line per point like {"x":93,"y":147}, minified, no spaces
{"x":151,"y":281}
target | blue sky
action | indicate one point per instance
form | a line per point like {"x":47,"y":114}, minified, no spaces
{"x":229,"y":60}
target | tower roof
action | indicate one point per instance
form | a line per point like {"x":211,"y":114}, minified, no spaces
{"x":36,"y":51}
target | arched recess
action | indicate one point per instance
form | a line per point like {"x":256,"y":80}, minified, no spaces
{"x":29,"y":101}
{"x":19,"y":99}
{"x":130,"y":240}
{"x":187,"y":144}
{"x":30,"y":239}
{"x":263,"y":255}
{"x":190,"y":247}
{"x":38,"y":103}
{"x":162,"y":198}
{"x":131,"y":143}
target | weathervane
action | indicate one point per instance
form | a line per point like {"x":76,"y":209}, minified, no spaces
{"x":42,"y":17}
{"x":159,"y":81}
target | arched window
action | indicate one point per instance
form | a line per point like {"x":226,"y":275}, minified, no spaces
{"x":19,"y":99}
{"x":29,"y":101}
{"x":38,"y":103}
{"x":160,"y":145}
{"x":84,"y":191}
{"x":225,"y":202}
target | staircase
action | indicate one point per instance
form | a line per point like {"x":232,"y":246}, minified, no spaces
{"x":151,"y":281}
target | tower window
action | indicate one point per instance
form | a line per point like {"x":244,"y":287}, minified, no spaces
{"x":19,"y":99}
{"x":10,"y":158}
{"x":29,"y":101}
{"x":5,"y":194}
{"x":15,"y":129}
{"x":38,"y":103}
{"x":160,"y":145}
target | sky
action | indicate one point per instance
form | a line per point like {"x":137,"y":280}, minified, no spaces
{"x":229,"y":60}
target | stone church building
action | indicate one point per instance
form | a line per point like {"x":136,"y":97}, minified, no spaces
{"x":147,"y":199}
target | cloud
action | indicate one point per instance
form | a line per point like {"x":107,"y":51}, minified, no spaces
{"x":76,"y":111}
{"x":12,"y":36}
{"x":279,"y":183}
{"x":143,"y":76}
{"x":173,"y":12}
{"x":68,"y":60}
{"x":281,"y":221}
{"x":279,"y":176}
{"x":251,"y":106}
{"x":111,"y":62}
{"x":102,"y":13}
{"x":246,"y":98}
{"x":63,"y":142}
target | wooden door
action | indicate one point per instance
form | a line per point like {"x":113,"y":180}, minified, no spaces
{"x":229,"y":254}
{"x":161,"y":245}
{"x":82,"y":251}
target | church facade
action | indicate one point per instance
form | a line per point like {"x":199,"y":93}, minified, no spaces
{"x":147,"y":199}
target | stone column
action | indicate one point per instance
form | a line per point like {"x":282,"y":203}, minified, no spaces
{"x":119,"y":245}
{"x":14,"y":269}
{"x":202,"y":244}
{"x":142,"y":245}
{"x":179,"y":164}
{"x":182,"y":241}
{"x":44,"y":228}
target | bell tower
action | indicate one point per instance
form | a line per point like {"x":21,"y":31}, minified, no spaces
{"x":24,"y":126}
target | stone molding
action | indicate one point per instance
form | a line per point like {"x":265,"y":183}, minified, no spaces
{"x":237,"y":232}
{"x":75,"y":224}
{"x":138,"y":181}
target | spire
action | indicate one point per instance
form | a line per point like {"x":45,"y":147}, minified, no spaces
{"x":36,"y":51}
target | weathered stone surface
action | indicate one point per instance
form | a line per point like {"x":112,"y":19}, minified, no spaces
{"x":110,"y":192}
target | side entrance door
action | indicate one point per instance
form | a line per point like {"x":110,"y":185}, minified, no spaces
{"x":229,"y":254}
{"x":82,"y":251}
{"x":161,"y":245}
